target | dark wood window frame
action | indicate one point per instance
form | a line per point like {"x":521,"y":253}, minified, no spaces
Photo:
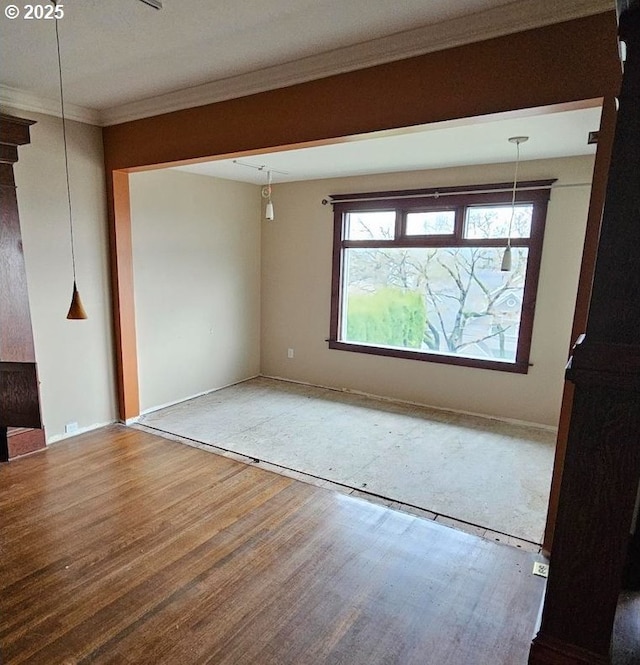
{"x":536,"y":193}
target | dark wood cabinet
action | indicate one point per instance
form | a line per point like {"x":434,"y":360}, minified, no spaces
{"x":20,"y":422}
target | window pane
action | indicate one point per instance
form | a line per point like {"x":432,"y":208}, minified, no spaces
{"x":370,"y":225}
{"x":450,"y":301}
{"x":434,"y":222}
{"x":493,"y":221}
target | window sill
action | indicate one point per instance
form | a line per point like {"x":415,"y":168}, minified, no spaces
{"x":497,"y":365}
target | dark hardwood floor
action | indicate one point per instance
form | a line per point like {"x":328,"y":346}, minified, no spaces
{"x":123,"y":547}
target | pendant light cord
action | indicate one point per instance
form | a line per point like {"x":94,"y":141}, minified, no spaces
{"x":513,"y":194}
{"x":66,"y":157}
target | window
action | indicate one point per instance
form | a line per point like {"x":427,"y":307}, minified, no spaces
{"x":417,"y":274}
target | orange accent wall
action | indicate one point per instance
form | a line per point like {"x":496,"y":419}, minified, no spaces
{"x":565,"y":62}
{"x":124,"y":314}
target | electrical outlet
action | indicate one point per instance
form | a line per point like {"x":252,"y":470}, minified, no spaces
{"x":70,"y":428}
{"x":289,"y":353}
{"x":541,"y":569}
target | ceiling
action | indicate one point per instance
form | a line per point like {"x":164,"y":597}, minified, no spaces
{"x":124,"y":60}
{"x":440,"y":145}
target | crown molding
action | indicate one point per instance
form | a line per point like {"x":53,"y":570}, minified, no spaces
{"x":507,"y":19}
{"x":514,"y":17}
{"x":25,"y":101}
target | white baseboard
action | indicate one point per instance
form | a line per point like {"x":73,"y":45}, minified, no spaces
{"x":131,"y":421}
{"x":511,"y":421}
{"x":81,"y":430}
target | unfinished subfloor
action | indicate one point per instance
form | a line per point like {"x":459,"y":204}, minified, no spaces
{"x":482,"y":475}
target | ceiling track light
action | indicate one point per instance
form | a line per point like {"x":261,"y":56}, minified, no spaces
{"x":506,"y":257}
{"x":260,"y":167}
{"x":266,"y":190}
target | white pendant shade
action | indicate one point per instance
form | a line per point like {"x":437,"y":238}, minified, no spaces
{"x":506,"y":259}
{"x":268,"y":211}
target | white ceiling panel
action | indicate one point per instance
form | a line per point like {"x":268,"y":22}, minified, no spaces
{"x":122,"y":52}
{"x":441,"y":145}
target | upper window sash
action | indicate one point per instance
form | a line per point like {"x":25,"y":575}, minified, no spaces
{"x":430,"y":222}
{"x":455,"y":200}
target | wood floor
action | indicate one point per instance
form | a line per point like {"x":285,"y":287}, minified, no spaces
{"x":452,"y":465}
{"x":123,"y":547}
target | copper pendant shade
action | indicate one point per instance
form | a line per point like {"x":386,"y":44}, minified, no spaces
{"x":76,"y":311}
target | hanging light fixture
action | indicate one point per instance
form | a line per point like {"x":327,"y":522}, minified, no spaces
{"x":266,"y":190}
{"x":506,"y":257}
{"x":76,"y":310}
{"x":266,"y":193}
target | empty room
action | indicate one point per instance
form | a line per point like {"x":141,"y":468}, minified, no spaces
{"x":224,"y":295}
{"x":292,"y":312}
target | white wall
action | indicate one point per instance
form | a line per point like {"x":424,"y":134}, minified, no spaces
{"x":75,"y":358}
{"x":296,"y":298}
{"x":196,"y":256}
{"x":199,"y":290}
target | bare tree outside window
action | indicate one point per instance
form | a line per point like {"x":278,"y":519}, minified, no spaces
{"x":428,"y":282}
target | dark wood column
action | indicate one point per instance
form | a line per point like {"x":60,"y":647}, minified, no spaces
{"x":20,"y":423}
{"x":602,"y":463}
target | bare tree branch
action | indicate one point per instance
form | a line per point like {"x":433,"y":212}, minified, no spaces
{"x":482,"y":339}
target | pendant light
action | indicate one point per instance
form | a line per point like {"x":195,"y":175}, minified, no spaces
{"x":266,"y":193}
{"x":76,"y":310}
{"x":506,"y":257}
{"x":266,"y":190}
